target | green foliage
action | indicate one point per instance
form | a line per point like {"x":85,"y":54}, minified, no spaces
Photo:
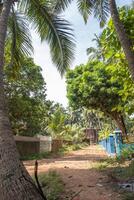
{"x":104,"y":83}
{"x":57,"y":122}
{"x":99,"y":9}
{"x":124,"y":171}
{"x":52,"y":185}
{"x":127,"y":153}
{"x":100,"y":166}
{"x":109,"y":34}
{"x":52,"y":28}
{"x":61,"y":125}
{"x":26,"y":94}
{"x":73,"y":133}
{"x":73,"y":147}
{"x":104,"y":133}
{"x":95,"y":86}
{"x":18,"y":40}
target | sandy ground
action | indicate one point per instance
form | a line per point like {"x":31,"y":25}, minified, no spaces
{"x":78,"y":174}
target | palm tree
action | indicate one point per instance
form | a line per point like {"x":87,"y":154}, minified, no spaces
{"x":15,"y":182}
{"x":98,"y":52}
{"x":101,"y":9}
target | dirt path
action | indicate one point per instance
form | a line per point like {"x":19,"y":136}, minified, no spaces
{"x":78,"y":174}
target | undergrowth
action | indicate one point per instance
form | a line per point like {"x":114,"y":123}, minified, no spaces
{"x":52,"y":185}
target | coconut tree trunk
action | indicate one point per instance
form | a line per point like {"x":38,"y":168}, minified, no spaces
{"x":123,"y":37}
{"x":15,"y":182}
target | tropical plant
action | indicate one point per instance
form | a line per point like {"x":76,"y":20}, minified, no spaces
{"x":96,"y":53}
{"x":96,"y":86}
{"x":26,"y":96}
{"x":58,"y":33}
{"x":105,"y":132}
{"x":101,"y":10}
{"x":57,"y":123}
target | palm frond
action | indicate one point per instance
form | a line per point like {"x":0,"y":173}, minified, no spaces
{"x":91,"y":50}
{"x":58,"y":5}
{"x":54,"y":29}
{"x":18,"y":38}
{"x":85,"y":8}
{"x":101,"y":11}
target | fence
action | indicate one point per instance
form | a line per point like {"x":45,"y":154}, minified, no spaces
{"x":33,"y":145}
{"x":114,"y":144}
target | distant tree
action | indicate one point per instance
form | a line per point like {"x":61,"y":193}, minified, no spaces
{"x":57,"y":121}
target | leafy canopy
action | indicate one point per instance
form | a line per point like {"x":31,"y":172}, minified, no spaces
{"x":49,"y":25}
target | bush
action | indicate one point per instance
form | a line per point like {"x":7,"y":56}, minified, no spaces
{"x":104,"y":133}
{"x":127,"y":153}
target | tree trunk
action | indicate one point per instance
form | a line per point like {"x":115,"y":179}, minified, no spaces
{"x":123,"y":37}
{"x":118,"y":118}
{"x":15,"y":182}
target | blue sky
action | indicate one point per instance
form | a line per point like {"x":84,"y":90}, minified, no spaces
{"x":56,"y":88}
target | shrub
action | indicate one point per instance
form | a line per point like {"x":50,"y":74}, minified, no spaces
{"x":52,"y":185}
{"x":127,"y":153}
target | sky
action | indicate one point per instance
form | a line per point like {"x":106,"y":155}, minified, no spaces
{"x":56,"y":87}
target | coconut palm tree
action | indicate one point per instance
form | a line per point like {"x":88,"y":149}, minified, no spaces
{"x":101,"y":10}
{"x":15,"y":182}
{"x":97,"y":52}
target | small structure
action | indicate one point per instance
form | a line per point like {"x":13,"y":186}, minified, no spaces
{"x":33,"y":145}
{"x":91,"y":135}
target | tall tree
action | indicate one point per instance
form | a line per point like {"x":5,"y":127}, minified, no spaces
{"x":15,"y":183}
{"x":95,"y":86}
{"x":123,"y":37}
{"x":101,"y":9}
{"x":26,"y":96}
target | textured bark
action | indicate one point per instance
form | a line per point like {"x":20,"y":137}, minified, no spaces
{"x":15,"y":182}
{"x":123,"y":37}
{"x":118,"y":118}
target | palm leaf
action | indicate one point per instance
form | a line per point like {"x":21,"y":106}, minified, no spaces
{"x":18,"y":38}
{"x":52,"y":28}
{"x":58,"y":5}
{"x":85,"y":8}
{"x":101,"y":11}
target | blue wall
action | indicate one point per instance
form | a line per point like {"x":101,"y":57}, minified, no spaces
{"x":113,"y":144}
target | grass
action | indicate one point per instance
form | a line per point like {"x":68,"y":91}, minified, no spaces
{"x":125,"y":171}
{"x":104,"y":164}
{"x":121,"y":170}
{"x":68,"y":148}
{"x":52,"y":185}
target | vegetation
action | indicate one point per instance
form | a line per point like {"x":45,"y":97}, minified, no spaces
{"x":52,"y":185}
{"x":104,"y":82}
{"x":15,"y":20}
{"x":117,"y":172}
{"x":100,"y":10}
